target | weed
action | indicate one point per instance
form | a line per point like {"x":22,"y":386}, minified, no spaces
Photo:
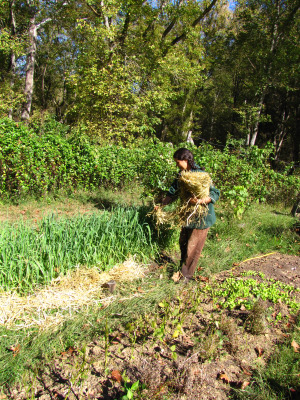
{"x":256,"y":321}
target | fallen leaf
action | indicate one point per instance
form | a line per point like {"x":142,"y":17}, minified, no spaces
{"x":246,"y":371}
{"x":295,"y":346}
{"x":235,"y":264}
{"x":23,"y":212}
{"x":139,"y":289}
{"x":203,"y":278}
{"x":227,"y":249}
{"x":176,"y":276}
{"x":292,"y":320}
{"x":244,"y":385}
{"x":259,"y":351}
{"x":176,"y":334}
{"x":15,"y":349}
{"x":188,"y":341}
{"x":274,"y":315}
{"x":70,"y":351}
{"x":116,"y":376}
{"x":224,"y":378}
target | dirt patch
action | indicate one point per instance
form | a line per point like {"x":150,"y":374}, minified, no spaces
{"x":188,"y":348}
{"x":281,"y":267}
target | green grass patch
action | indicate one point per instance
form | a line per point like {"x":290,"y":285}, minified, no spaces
{"x":34,"y":255}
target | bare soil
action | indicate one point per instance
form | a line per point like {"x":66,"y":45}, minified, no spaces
{"x":215,"y":349}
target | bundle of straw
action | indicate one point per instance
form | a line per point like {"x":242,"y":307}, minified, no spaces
{"x":191,"y":185}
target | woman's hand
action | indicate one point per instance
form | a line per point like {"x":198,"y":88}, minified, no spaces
{"x":167,"y":200}
{"x":205,"y":200}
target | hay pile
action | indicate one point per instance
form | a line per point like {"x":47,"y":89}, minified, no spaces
{"x":64,"y":296}
{"x":191,"y":184}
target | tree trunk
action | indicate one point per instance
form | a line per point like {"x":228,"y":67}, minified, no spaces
{"x":296,"y":206}
{"x":13,"y":56}
{"x":279,"y":138}
{"x":29,"y":83}
{"x":296,"y":137}
{"x":257,"y":117}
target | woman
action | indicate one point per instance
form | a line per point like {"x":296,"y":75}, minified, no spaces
{"x":193,"y":234}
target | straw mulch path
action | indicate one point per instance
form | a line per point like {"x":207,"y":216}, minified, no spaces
{"x":64,"y":296}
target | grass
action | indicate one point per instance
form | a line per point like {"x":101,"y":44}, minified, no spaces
{"x":263,"y":229}
{"x":34,"y":255}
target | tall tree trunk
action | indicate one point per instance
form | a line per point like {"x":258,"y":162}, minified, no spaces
{"x":12,"y":56}
{"x":296,"y":137}
{"x":29,"y":83}
{"x":257,"y":117}
{"x":279,"y":137}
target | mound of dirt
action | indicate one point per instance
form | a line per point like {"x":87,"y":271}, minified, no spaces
{"x":281,"y":267}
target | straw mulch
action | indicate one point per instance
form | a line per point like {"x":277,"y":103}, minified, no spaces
{"x":191,"y":184}
{"x":64,"y":296}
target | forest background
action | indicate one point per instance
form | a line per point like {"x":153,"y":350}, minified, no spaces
{"x":117,"y":71}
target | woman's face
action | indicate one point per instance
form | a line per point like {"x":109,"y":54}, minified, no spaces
{"x":183,"y":165}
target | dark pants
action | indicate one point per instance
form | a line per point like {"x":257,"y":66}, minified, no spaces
{"x":191,"y":243}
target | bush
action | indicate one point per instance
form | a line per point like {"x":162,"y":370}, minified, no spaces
{"x":49,"y":157}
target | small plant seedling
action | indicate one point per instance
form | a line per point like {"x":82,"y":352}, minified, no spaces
{"x":130,"y":389}
{"x":173,"y":350}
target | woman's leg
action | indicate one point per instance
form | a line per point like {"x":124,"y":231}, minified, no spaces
{"x":191,"y":244}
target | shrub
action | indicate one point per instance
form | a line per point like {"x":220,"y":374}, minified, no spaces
{"x":48,"y":157}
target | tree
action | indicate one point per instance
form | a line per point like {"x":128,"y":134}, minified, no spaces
{"x":39,"y":13}
{"x":136,"y":62}
{"x":265,"y":29}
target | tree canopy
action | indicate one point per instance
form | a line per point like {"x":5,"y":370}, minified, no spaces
{"x":171,"y":69}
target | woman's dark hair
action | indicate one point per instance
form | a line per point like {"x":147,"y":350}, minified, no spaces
{"x":185,"y":154}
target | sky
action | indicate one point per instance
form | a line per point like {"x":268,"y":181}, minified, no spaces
{"x":231,"y":4}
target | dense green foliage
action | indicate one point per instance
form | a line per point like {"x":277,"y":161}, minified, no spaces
{"x":167,"y":69}
{"x":36,"y":162}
